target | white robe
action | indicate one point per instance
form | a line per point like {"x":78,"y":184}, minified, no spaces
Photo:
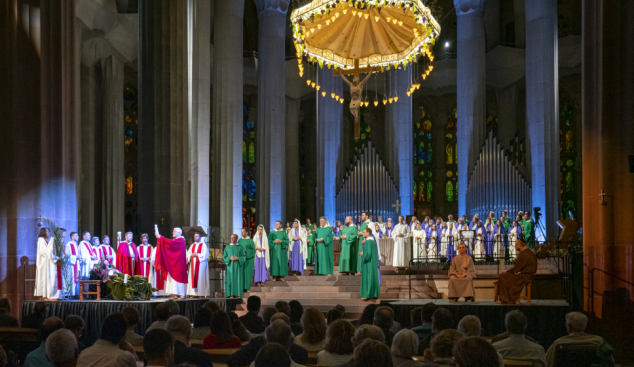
{"x":444,"y":241}
{"x":512,"y":239}
{"x":145,"y":252}
{"x":70,"y":268}
{"x":161,"y":292}
{"x":203,"y":270}
{"x":401,"y":246}
{"x":420,"y":243}
{"x":498,"y":245}
{"x":479,"y":252}
{"x":107,"y":250}
{"x":432,"y":246}
{"x":303,"y":244}
{"x":46,"y":270}
{"x":87,"y":259}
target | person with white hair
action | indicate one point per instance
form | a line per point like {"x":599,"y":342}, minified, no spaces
{"x":61,"y":348}
{"x":198,"y":256}
{"x":171,"y":261}
{"x":576,"y":323}
{"x":181,"y":329}
{"x":404,"y":347}
{"x":516,"y":346}
{"x":470,"y":326}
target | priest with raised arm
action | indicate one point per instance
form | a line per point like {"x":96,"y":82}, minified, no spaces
{"x":171,"y":257}
{"x":128,"y":259}
{"x":348,"y":256}
{"x":278,"y":243}
{"x":324,"y":249}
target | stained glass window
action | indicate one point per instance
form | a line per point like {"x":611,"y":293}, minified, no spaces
{"x":569,"y":174}
{"x":248,"y":165}
{"x":451,"y":156}
{"x":130,"y":155}
{"x":423,"y":157}
{"x":449,"y":191}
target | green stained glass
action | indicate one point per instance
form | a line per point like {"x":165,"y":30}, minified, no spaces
{"x":414,"y":189}
{"x":448,"y":136}
{"x":421,"y":191}
{"x":244,"y":152}
{"x":252,"y":134}
{"x":363,"y":136}
{"x":429,"y":174}
{"x":449,"y":173}
{"x":422,"y":174}
{"x":418,"y":125}
{"x":449,"y":191}
{"x":570,"y":163}
{"x":427,"y":125}
{"x":368,"y":128}
{"x":570,"y":184}
{"x":251,"y":152}
{"x":430,"y":189}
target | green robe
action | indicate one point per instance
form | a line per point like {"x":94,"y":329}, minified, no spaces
{"x":529,"y":233}
{"x":360,"y":245}
{"x":507,"y":222}
{"x":370,"y":270}
{"x":349,"y":255}
{"x":278,"y":254}
{"x":233,"y":278}
{"x":310,"y":259}
{"x":325,"y":251}
{"x":249,"y":261}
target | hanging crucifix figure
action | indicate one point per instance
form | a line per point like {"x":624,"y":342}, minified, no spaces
{"x":356,"y":88}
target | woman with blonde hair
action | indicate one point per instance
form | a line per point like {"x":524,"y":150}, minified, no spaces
{"x":339,"y":348}
{"x":313,"y":339}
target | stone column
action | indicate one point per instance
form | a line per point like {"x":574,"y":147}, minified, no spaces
{"x":90,"y":115}
{"x":399,"y":117}
{"x":329,"y":117}
{"x":226,"y":193}
{"x":292,"y":159}
{"x":492,"y":23}
{"x":270,"y":147}
{"x":163,"y":115}
{"x":542,"y":122}
{"x":471,"y":86}
{"x":520,"y":23}
{"x":199,"y":28}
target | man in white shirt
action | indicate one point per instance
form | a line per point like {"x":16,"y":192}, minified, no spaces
{"x":516,"y":346}
{"x":106,"y":352}
{"x":576,"y":323}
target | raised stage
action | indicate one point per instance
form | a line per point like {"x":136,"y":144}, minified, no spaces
{"x":93,"y":312}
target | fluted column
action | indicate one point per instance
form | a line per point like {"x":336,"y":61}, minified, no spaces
{"x":542,"y":111}
{"x":270,"y":156}
{"x":226,"y":193}
{"x":471,"y":87}
{"x":292,"y":159}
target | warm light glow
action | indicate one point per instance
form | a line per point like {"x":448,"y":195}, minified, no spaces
{"x":323,"y":94}
{"x":333,"y":18}
{"x":312,"y":84}
{"x":318,"y":26}
{"x":360,"y":14}
{"x":366,"y":15}
{"x":388,"y":18}
{"x":396,"y":99}
{"x":337,"y":97}
{"x":377,"y":18}
{"x":337,"y":14}
{"x":354,"y":12}
{"x":400,"y":22}
{"x":318,"y":86}
{"x":384,"y":100}
{"x":341,"y":100}
{"x":394,"y":20}
{"x":409,"y":92}
{"x":308,"y":82}
{"x":376,"y":103}
{"x":344,"y":11}
{"x":391,"y":100}
{"x":424,"y":76}
{"x":301,"y":74}
{"x":312,"y":30}
{"x":328,"y":22}
{"x":332,"y":95}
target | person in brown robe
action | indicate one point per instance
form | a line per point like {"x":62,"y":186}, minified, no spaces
{"x":461,"y":274}
{"x":512,"y":281}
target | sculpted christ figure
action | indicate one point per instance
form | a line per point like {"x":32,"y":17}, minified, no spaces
{"x":356,"y":87}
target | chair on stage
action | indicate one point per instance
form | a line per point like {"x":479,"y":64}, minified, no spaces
{"x":527,"y":290}
{"x":82,"y":290}
{"x":577,"y":355}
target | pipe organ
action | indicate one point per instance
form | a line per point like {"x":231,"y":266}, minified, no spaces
{"x":496,"y":183}
{"x":367,"y":186}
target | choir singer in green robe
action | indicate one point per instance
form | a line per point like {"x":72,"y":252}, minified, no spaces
{"x":278,"y":243}
{"x":323,"y":248}
{"x":348,"y":256}
{"x":365,"y":221}
{"x":529,"y":231}
{"x":310,"y":238}
{"x":249,"y":259}
{"x":370,"y":268}
{"x":233,"y":257}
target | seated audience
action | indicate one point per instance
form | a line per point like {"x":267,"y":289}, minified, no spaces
{"x":61,"y":349}
{"x":440,"y":320}
{"x":273,"y":355}
{"x":158,"y":346}
{"x":440,"y":351}
{"x":202,"y":321}
{"x":332,"y":315}
{"x":404,"y":347}
{"x":267,"y":313}
{"x":339,"y":348}
{"x":212,"y":306}
{"x":279,"y":332}
{"x":576,"y":323}
{"x":470,"y":326}
{"x":506,"y":334}
{"x":173,"y":306}
{"x":372,"y":353}
{"x":6,"y":319}
{"x":364,"y":332}
{"x":341,"y":309}
{"x":424,"y":329}
{"x":221,"y":334}
{"x":296,"y":317}
{"x":37,"y":358}
{"x":162,"y":312}
{"x":516,"y":346}
{"x":313,"y":339}
{"x":367,"y":316}
{"x":251,"y":320}
{"x":475,"y":352}
{"x":75,"y":324}
{"x":4,"y":359}
{"x":415,"y":317}
{"x":133,"y":317}
{"x":181,"y":330}
{"x":35,"y":320}
{"x":384,"y":319}
{"x":111,"y":349}
{"x":282,"y":306}
{"x":238,"y":329}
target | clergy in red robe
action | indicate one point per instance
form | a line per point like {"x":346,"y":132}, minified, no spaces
{"x":128,"y":256}
{"x":171,"y":256}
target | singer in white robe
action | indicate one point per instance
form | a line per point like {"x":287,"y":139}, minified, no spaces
{"x":145,"y":258}
{"x":420,"y":242}
{"x":401,"y":236}
{"x":479,"y":251}
{"x":71,"y":251}
{"x":432,"y":245}
{"x":444,"y":240}
{"x":514,"y":232}
{"x":88,"y":257}
{"x":198,"y":256}
{"x":46,"y":268}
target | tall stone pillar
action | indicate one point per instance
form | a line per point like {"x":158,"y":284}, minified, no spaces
{"x":329,"y":117}
{"x":492,"y":23}
{"x":399,"y":117}
{"x":226,"y":192}
{"x":292,"y":159}
{"x":270,"y":148}
{"x":198,"y":36}
{"x":471,"y":87}
{"x":163,"y":116}
{"x":542,"y":93}
{"x":90,"y":115}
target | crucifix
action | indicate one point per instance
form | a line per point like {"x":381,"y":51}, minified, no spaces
{"x":397,"y":206}
{"x":162,"y":220}
{"x":603,"y":194}
{"x":356,"y":88}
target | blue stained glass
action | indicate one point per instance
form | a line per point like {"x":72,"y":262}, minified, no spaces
{"x":429,"y":136}
{"x":252,"y":190}
{"x":128,"y":132}
{"x":429,"y":153}
{"x":244,"y":190}
{"x":249,"y":124}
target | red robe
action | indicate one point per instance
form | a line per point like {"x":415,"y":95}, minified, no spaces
{"x":124,"y":263}
{"x":145,"y":251}
{"x":171,"y":256}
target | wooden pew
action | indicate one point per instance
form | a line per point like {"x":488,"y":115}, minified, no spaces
{"x":21,"y":341}
{"x":517,"y":363}
{"x":221,"y":355}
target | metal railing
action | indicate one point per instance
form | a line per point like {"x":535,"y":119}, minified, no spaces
{"x":590,"y":287}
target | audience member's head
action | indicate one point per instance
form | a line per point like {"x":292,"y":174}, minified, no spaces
{"x":132,"y":316}
{"x":158,"y":346}
{"x":253,"y":304}
{"x":267,"y":313}
{"x":339,"y":335}
{"x":213,"y":306}
{"x":4,"y":360}
{"x":236,"y":324}
{"x":61,"y":348}
{"x":576,"y":322}
{"x":296,"y":311}
{"x":441,"y":319}
{"x":273,"y":355}
{"x":314,"y":326}
{"x":281,"y":316}
{"x":282,"y":306}
{"x":113,"y":328}
{"x":332,"y":315}
{"x":75,"y":324}
{"x":173,"y":306}
{"x":40,"y":307}
{"x":515,"y":322}
{"x":415,"y":316}
{"x":202,"y":318}
{"x":428,"y":312}
{"x":405,"y":344}
{"x":341,"y":309}
{"x":180,"y":327}
{"x":442,"y":344}
{"x":50,"y":325}
{"x":372,"y":353}
{"x":162,"y":312}
{"x":384,"y":317}
{"x":367,"y":316}
{"x":279,"y":332}
{"x":470,"y":326}
{"x":475,"y":352}
{"x":5,"y":305}
{"x":367,"y":332}
{"x":221,"y":326}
